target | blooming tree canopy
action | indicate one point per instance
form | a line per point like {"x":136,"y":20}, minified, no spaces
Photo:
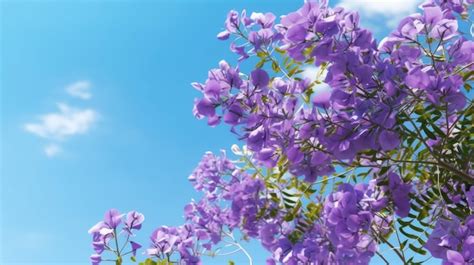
{"x":349,"y":146}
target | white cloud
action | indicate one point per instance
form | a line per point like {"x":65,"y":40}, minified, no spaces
{"x":389,"y":10}
{"x":313,"y":73}
{"x":80,"y":89}
{"x":67,"y":122}
{"x":52,"y":150}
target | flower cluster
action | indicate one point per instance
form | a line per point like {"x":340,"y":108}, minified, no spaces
{"x":400,"y":194}
{"x":232,"y":199}
{"x":371,"y":86}
{"x":236,"y":200}
{"x":394,"y":106}
{"x":349,"y":221}
{"x":209,"y":175}
{"x":433,"y":81}
{"x":260,"y":36}
{"x":375,"y":102}
{"x":165,"y":241}
{"x":106,"y":233}
{"x":346,"y":232}
{"x":275,"y":120}
{"x":231,"y":196}
{"x":452,"y":240}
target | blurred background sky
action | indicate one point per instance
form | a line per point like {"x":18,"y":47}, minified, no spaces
{"x":96,"y":113}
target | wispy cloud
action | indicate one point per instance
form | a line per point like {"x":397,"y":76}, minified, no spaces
{"x":389,"y":11}
{"x":67,"y":122}
{"x":52,"y":150}
{"x":80,"y":89}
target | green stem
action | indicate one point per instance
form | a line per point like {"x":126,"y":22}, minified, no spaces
{"x":382,"y":257}
{"x":117,"y":246}
{"x":402,"y":258}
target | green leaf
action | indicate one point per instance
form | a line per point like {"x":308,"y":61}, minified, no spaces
{"x":417,"y":229}
{"x":421,"y":241}
{"x":307,"y":95}
{"x":467,"y":75}
{"x":418,"y":250}
{"x":402,"y":230}
{"x":403,"y":244}
{"x":293,"y":71}
{"x":467,"y":87}
{"x":275,"y":67}
{"x":428,"y":132}
{"x":260,"y":64}
{"x":261,"y":54}
{"x":404,"y":223}
{"x":438,"y":130}
{"x":383,"y":170}
{"x":419,"y":109}
{"x":148,"y":262}
{"x":287,"y":194}
{"x":278,"y":50}
{"x":324,"y":184}
{"x":458,"y":212}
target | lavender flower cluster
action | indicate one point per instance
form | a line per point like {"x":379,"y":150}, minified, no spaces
{"x":452,"y":240}
{"x":106,"y":233}
{"x":373,"y":115}
{"x":344,"y":234}
{"x":232,"y":199}
{"x":371,"y":85}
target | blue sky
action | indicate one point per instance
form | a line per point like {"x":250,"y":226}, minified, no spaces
{"x":96,"y":113}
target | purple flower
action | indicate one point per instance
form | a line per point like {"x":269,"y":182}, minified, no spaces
{"x":294,"y":154}
{"x":98,"y":246}
{"x":256,"y":138}
{"x":389,"y":140}
{"x":409,"y":27}
{"x":232,"y":21}
{"x":296,"y":33}
{"x":105,"y":230}
{"x":454,"y":257}
{"x":209,"y":174}
{"x":134,"y":220}
{"x":205,"y":107}
{"x":223,"y":35}
{"x":259,"y":78}
{"x":239,"y":50}
{"x":113,"y":218}
{"x":322,"y":99}
{"x":452,"y":240}
{"x":445,"y":29}
{"x":135,"y":246}
{"x":265,"y":20}
{"x":400,"y":194}
{"x":284,"y":120}
{"x":432,"y":14}
{"x":233,"y":115}
{"x":95,"y":259}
